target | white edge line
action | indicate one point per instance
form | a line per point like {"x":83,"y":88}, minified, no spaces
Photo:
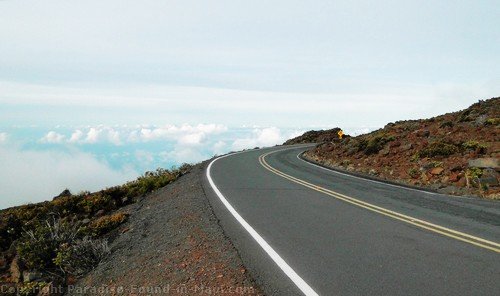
{"x":296,"y":279}
{"x":366,"y":179}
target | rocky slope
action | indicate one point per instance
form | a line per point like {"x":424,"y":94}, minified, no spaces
{"x":155,"y":235}
{"x":456,"y":153}
{"x":172,"y":244}
{"x":315,"y":137}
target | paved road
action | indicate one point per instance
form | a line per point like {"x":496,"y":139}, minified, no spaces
{"x":301,"y":229}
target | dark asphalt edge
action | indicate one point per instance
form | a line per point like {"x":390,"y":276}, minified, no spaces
{"x":372,"y":178}
{"x":389,"y":182}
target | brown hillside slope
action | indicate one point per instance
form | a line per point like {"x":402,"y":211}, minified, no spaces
{"x":455,"y":153}
{"x":315,"y":137}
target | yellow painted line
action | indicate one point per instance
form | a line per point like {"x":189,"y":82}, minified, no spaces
{"x":477,"y":241}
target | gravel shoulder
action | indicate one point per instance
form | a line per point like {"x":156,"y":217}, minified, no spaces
{"x":172,"y":244}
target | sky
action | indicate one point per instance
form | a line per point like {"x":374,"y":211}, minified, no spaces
{"x":93,"y":93}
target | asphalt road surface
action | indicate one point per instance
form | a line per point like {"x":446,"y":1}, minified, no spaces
{"x":302,"y":229}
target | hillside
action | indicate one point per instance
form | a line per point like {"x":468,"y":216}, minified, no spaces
{"x":111,"y":239}
{"x":455,"y":153}
{"x":316,"y":137}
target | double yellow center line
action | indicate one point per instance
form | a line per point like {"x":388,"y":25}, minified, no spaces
{"x":477,"y":241}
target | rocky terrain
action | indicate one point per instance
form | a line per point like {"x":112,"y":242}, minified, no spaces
{"x":455,"y":153}
{"x":316,"y":137}
{"x":171,"y":245}
{"x":155,"y":235}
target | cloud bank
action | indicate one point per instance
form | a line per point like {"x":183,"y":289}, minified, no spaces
{"x":32,"y":176}
{"x":94,"y":157}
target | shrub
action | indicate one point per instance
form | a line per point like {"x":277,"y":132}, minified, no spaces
{"x":465,"y":116}
{"x":106,"y":223}
{"x":446,"y":124}
{"x":10,"y":230}
{"x":116,"y":193}
{"x":492,"y":121}
{"x":97,"y":201}
{"x":56,"y":245}
{"x":154,"y":180}
{"x":362,"y":144}
{"x":475,"y":145}
{"x":377,"y":143}
{"x":436,"y":164}
{"x":66,"y":205}
{"x":438,"y":149}
{"x":474,"y":173}
{"x":413,"y":172}
{"x":27,"y":213}
{"x":37,"y":248}
{"x":81,"y":256}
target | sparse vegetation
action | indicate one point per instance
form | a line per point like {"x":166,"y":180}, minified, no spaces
{"x":474,"y":173}
{"x":104,"y":224}
{"x":436,"y":164}
{"x":377,"y":143}
{"x":438,"y":149}
{"x":68,"y":235}
{"x":322,"y":136}
{"x":446,"y":124}
{"x":151,"y":181}
{"x":475,"y":145}
{"x":38,"y":247}
{"x":81,"y":256}
{"x":434,"y":152}
{"x":414,"y":173}
{"x":492,"y":121}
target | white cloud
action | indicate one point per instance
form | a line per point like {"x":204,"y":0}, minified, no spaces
{"x":32,"y":176}
{"x":96,"y":134}
{"x":220,"y":147}
{"x":185,"y":134}
{"x":3,"y":138}
{"x":114,"y":137}
{"x":154,"y":103}
{"x":93,"y":135}
{"x":192,"y":139}
{"x":53,"y":137}
{"x":183,"y":155}
{"x":263,"y":137}
{"x":144,"y":156}
{"x":76,"y":136}
{"x":356,"y":131}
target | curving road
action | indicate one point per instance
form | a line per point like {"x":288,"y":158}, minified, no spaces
{"x":302,"y":229}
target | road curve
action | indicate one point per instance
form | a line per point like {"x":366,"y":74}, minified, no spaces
{"x":301,"y":229}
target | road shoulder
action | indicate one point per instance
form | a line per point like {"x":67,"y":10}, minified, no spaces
{"x":172,"y":244}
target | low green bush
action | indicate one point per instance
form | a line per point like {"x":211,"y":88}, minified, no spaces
{"x":57,"y":246}
{"x":154,"y":180}
{"x":105,"y":224}
{"x":438,"y":149}
{"x":37,"y":248}
{"x":492,"y":121}
{"x":81,"y":256}
{"x":474,"y":173}
{"x":413,"y":172}
{"x":446,"y":124}
{"x":475,"y":145}
{"x":377,"y":143}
